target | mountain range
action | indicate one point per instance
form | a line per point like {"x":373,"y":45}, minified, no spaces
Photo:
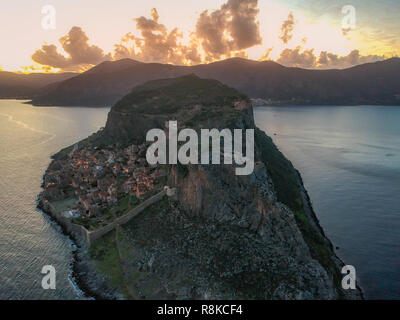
{"x":26,"y":86}
{"x":372,"y":83}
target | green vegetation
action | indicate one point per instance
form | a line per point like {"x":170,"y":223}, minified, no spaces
{"x":182,"y":169}
{"x":176,"y":98}
{"x":161,"y":181}
{"x":281,"y":171}
{"x":120,"y":275}
{"x":225,"y":115}
{"x":318,"y":246}
{"x":125,"y":204}
{"x":85,"y":222}
{"x":105,"y":255}
{"x":108,"y":215}
{"x":170,"y":95}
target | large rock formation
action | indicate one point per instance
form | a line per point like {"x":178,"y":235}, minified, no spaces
{"x":226,"y":236}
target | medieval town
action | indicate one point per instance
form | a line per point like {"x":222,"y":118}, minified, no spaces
{"x":100,"y":179}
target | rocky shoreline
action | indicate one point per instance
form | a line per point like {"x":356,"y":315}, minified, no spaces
{"x":83,"y":273}
{"x":94,"y":285}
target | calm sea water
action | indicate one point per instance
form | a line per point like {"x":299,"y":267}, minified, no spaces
{"x":349,"y":158}
{"x":28,"y":240}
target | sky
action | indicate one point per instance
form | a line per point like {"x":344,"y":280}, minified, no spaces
{"x":77,"y":34}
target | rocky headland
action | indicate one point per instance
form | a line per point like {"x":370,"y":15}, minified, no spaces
{"x":222,"y":236}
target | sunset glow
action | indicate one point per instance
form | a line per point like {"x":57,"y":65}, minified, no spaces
{"x":193,"y":33}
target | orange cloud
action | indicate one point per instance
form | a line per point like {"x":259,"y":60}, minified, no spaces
{"x":329,"y":60}
{"x":81,"y":54}
{"x":297,"y":58}
{"x":156,"y":44}
{"x":38,"y":68}
{"x":229,"y":30}
{"x":266,"y":54}
{"x":287,"y":29}
{"x":307,"y":59}
{"x":219,"y":34}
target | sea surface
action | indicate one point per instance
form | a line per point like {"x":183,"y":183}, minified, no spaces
{"x":349,"y":158}
{"x":29,"y":240}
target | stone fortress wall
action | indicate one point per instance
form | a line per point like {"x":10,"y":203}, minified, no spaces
{"x":88,"y":237}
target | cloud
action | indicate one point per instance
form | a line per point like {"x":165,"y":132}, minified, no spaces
{"x":49,"y":55}
{"x":154,"y":14}
{"x":287,"y":29}
{"x":219,"y":34}
{"x":329,"y":60}
{"x":229,"y":30}
{"x":36,"y":67}
{"x":297,"y":58}
{"x":222,"y":33}
{"x":325,"y":60}
{"x":81,"y":54}
{"x":266,"y":54}
{"x":156,"y":44}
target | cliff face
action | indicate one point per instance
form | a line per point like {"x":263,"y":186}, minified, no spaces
{"x":250,"y":204}
{"x":226,"y":236}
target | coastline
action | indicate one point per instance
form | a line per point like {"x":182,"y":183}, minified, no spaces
{"x":88,"y":281}
{"x":82,"y":275}
{"x":308,"y":207}
{"x":287,"y":197}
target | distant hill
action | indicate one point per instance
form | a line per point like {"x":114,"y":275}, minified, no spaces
{"x":103,"y":85}
{"x":15,"y":85}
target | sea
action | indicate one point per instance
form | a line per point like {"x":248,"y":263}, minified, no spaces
{"x":29,"y":240}
{"x":349,"y":158}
